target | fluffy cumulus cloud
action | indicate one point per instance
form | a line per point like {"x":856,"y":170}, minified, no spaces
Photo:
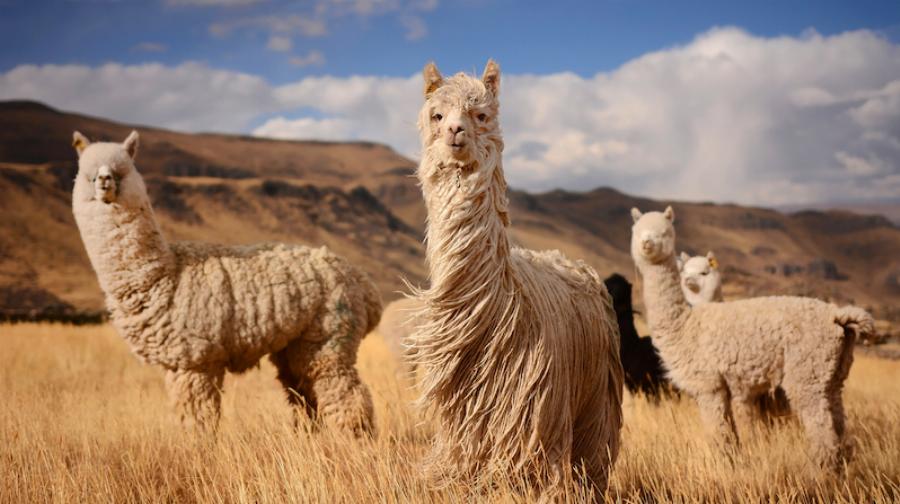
{"x":726,"y":117}
{"x":190,"y":97}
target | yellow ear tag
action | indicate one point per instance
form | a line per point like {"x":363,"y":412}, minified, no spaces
{"x":78,"y":143}
{"x":713,"y":263}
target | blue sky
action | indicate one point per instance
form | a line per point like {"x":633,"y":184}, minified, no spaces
{"x":370,"y":37}
{"x":755,"y":102}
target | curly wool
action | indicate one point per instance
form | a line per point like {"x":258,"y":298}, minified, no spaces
{"x":198,"y":309}
{"x":728,"y":354}
{"x":519,"y":349}
{"x":701,"y":282}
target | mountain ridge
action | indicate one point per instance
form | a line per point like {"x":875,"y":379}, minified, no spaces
{"x":361,"y":199}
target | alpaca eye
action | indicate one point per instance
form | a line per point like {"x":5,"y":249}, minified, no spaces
{"x":437,"y":117}
{"x":482,"y":117}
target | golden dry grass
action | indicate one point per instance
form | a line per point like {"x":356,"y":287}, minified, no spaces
{"x":82,"y":421}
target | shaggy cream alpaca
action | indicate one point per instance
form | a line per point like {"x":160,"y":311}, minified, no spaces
{"x":198,"y":309}
{"x":730,"y":353}
{"x":519,"y":349}
{"x":701,"y":280}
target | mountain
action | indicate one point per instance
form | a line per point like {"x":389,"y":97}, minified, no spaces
{"x":361,"y":199}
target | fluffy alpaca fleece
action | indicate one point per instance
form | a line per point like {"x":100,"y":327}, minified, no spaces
{"x":198,"y":310}
{"x":397,"y":325}
{"x":738,"y":350}
{"x":701,"y":280}
{"x":644,"y":372}
{"x":519,"y":349}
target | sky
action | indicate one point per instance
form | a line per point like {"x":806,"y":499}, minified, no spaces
{"x":767,"y":103}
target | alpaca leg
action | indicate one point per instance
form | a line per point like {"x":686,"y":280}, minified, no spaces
{"x":818,"y":418}
{"x":329,"y":365}
{"x":342,"y":400}
{"x":745,"y":409}
{"x":596,"y":460}
{"x":297,"y":389}
{"x":715,"y":410}
{"x":197,"y":396}
{"x":555,"y":475}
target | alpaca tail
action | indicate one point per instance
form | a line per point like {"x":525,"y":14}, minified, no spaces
{"x":856,"y":322}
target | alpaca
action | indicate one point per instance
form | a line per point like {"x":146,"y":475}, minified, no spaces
{"x":701,"y":280}
{"x":738,"y":350}
{"x":519,"y":349}
{"x":396,"y":326}
{"x":644,"y":371}
{"x":197,"y":309}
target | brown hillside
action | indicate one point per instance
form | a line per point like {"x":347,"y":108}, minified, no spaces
{"x":361,"y":200}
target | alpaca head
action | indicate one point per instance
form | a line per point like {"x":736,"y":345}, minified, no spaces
{"x":652,"y":236}
{"x":700,"y":277}
{"x":106,"y":172}
{"x":459,"y":125}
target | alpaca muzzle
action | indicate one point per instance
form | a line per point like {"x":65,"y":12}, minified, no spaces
{"x":692,"y":284}
{"x":105,"y":188}
{"x":456,"y":143}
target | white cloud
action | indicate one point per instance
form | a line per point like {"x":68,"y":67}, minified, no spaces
{"x":306,"y":26}
{"x":280,"y":43}
{"x":312,"y":58}
{"x":191,"y":96}
{"x":315,"y":17}
{"x":307,"y":128}
{"x":727,"y":117}
{"x":151,"y":47}
{"x":415,"y":27}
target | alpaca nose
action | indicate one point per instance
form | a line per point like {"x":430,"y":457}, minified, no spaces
{"x":692,"y":284}
{"x":456,"y":128}
{"x":647,"y":245}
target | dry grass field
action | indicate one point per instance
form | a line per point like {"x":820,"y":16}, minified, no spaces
{"x":81,"y":420}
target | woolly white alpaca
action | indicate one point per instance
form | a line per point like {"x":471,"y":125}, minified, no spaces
{"x":738,"y":350}
{"x":701,"y":280}
{"x":520,"y":349}
{"x":198,"y":309}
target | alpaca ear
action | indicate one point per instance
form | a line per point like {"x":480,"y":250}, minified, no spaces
{"x":433,"y":78}
{"x":713,"y":262}
{"x":683,"y":258}
{"x":131,"y":144}
{"x":80,"y":142}
{"x":491,"y":77}
{"x":636,"y":214}
{"x":669,"y":213}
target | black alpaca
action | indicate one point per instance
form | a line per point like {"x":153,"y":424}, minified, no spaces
{"x":643,"y":368}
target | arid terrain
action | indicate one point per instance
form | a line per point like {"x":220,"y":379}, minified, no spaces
{"x":361,"y":200}
{"x":82,"y":421}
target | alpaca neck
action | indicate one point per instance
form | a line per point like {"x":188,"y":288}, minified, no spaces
{"x":468,"y":249}
{"x":128,"y":252}
{"x":664,"y":300}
